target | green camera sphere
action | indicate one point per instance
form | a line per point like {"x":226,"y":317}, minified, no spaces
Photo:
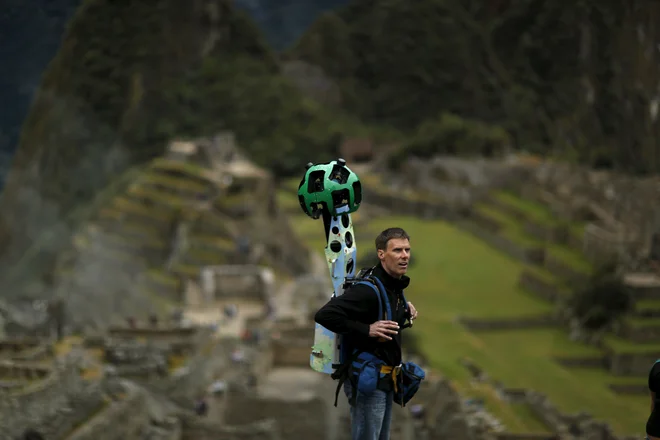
{"x":331,"y":187}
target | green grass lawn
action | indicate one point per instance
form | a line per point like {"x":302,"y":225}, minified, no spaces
{"x":457,"y":274}
{"x":546,"y":276}
{"x":574,"y":259}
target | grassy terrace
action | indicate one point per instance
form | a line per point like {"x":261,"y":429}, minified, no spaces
{"x":513,"y":228}
{"x":457,"y":274}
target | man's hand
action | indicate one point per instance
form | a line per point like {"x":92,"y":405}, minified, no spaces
{"x":382,"y":329}
{"x":413,"y":311}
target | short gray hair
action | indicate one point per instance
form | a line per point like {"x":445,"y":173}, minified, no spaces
{"x":388,"y":234}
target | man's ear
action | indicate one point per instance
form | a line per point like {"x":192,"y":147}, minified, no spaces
{"x":381,"y":254}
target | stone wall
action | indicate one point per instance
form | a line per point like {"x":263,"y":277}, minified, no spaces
{"x":582,"y":424}
{"x":446,"y":417}
{"x":208,"y":430}
{"x":563,"y":271}
{"x":584,"y":361}
{"x":532,"y":255}
{"x":625,"y":198}
{"x":553,"y":234}
{"x":600,"y":245}
{"x":292,"y":344}
{"x":264,"y":362}
{"x":244,"y":282}
{"x":25,"y":349}
{"x":120,"y":420}
{"x":395,"y":202}
{"x":632,"y":364}
{"x":559,"y":424}
{"x":291,"y":353}
{"x":171,"y":334}
{"x":460,"y":181}
{"x":640,"y":333}
{"x":200,"y":370}
{"x":642,"y":286}
{"x":291,"y":330}
{"x":300,"y":419}
{"x":41,"y":352}
{"x":648,"y":312}
{"x":546,"y":320}
{"x":529,"y":436}
{"x":506,"y":208}
{"x":53,"y":405}
{"x":143,"y":371}
{"x":80,"y":408}
{"x":13,"y":370}
{"x":617,"y":203}
{"x":637,"y":389}
{"x":538,"y":286}
{"x":489,"y":224}
{"x":619,"y":364}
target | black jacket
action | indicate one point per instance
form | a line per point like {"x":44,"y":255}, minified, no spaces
{"x":351,"y":314}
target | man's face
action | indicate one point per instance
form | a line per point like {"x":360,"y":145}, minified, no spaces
{"x":395,"y":258}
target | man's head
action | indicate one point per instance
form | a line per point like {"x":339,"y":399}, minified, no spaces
{"x":393,"y":248}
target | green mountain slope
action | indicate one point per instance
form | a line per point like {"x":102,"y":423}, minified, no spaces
{"x":572,"y":79}
{"x":129,"y":77}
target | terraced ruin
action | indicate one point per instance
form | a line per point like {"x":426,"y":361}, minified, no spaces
{"x":146,"y":378}
{"x":185,"y":237}
{"x":489,"y":279}
{"x":158,"y":225}
{"x":163,"y":305}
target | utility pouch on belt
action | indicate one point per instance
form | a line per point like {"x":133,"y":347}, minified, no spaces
{"x":366,"y":372}
{"x":409,"y":380}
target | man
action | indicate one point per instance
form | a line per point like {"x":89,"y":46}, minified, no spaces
{"x":653,"y":422}
{"x":354,"y":315}
{"x":31,"y":434}
{"x":654,"y":255}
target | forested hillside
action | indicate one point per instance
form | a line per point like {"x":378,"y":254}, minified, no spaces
{"x":576,"y":79}
{"x":120,"y":88}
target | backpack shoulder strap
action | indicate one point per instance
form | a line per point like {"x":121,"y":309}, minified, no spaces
{"x":382,"y":295}
{"x":383,"y":292}
{"x":342,"y":371}
{"x":369,"y":282}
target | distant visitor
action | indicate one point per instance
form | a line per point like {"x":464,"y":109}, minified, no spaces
{"x":653,"y":423}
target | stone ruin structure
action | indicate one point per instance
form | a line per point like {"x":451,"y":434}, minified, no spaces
{"x":623,"y":221}
{"x":151,"y":230}
{"x":146,"y":380}
{"x":620,"y":209}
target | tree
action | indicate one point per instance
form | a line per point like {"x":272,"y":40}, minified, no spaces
{"x":601,"y":302}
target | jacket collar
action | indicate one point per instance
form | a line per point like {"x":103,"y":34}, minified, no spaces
{"x":391,"y":283}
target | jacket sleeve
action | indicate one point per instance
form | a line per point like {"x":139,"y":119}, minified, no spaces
{"x":341,"y":314}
